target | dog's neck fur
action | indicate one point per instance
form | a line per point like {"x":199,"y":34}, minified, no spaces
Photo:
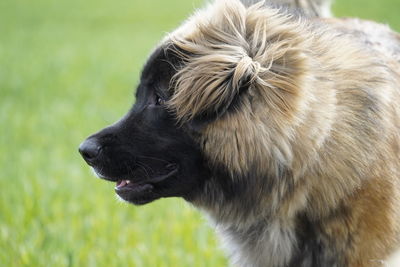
{"x":256,"y":235}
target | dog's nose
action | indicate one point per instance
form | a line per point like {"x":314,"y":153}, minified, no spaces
{"x":90,"y":150}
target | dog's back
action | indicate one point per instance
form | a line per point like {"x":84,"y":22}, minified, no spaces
{"x":376,"y":36}
{"x":318,"y":8}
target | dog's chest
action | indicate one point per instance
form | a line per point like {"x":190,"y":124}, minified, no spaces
{"x":260,"y":245}
{"x":275,"y":244}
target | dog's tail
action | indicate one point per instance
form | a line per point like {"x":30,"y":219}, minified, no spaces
{"x":314,"y":8}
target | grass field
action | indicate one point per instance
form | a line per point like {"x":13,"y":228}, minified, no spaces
{"x":68,"y":68}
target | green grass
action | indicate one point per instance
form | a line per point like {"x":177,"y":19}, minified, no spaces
{"x":68,"y":68}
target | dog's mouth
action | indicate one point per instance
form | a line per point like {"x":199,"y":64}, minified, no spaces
{"x":137,"y":193}
{"x":142,"y":191}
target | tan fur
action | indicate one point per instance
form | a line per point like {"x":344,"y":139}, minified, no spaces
{"x":321,"y":116}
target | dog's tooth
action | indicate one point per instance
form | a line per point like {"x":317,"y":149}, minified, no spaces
{"x":122,"y":184}
{"x":128,"y":182}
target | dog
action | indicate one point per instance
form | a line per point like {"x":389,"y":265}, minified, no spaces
{"x":282,"y":127}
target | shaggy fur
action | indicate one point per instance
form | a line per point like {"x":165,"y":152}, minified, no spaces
{"x":315,"y":133}
{"x":283,"y":128}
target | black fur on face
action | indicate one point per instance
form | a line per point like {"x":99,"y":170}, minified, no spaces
{"x":146,"y":153}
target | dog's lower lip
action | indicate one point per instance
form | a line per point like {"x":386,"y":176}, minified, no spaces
{"x":129,"y":190}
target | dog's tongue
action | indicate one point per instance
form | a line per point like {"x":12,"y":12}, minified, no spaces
{"x":122,"y":183}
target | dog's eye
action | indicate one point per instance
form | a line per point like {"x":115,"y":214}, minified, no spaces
{"x":159,"y":101}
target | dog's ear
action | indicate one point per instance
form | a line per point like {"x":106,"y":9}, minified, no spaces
{"x":210,"y":85}
{"x":229,"y":50}
{"x":217,"y":66}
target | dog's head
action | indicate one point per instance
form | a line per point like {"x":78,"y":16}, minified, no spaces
{"x":145,"y":152}
{"x":206,"y":97}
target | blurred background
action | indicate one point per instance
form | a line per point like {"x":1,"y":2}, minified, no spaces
{"x":67,"y":69}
